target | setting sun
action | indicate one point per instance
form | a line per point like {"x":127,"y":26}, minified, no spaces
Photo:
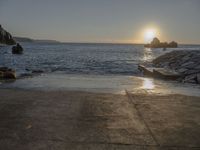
{"x":149,"y":34}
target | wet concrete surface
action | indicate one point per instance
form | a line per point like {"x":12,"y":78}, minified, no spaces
{"x":60,"y":120}
{"x":102,"y":84}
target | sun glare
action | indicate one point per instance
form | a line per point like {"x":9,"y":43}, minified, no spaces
{"x":149,"y":34}
{"x":148,"y":84}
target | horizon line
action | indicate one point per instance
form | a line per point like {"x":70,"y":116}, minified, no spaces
{"x":88,"y":42}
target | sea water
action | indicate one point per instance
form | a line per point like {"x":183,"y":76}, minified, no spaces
{"x":109,"y":68}
{"x":75,"y":58}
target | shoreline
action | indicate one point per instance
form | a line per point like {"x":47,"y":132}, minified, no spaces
{"x":102,"y":84}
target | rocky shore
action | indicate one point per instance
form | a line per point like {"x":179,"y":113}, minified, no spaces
{"x":186,"y":63}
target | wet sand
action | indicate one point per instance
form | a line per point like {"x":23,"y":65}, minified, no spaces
{"x":60,"y":120}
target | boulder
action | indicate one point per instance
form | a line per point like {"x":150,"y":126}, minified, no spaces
{"x":17,"y":49}
{"x":9,"y":75}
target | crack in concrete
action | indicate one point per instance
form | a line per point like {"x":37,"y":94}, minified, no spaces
{"x":140,"y":115}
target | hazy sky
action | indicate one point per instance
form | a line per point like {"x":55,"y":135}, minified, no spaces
{"x":102,"y":20}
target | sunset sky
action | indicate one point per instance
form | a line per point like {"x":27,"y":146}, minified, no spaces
{"x":123,"y":21}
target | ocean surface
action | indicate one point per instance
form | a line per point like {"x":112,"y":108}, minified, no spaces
{"x":74,"y":58}
{"x":110,"y":68}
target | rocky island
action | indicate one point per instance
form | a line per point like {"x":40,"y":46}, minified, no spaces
{"x":17,"y":49}
{"x":157,"y":44}
{"x":6,"y":37}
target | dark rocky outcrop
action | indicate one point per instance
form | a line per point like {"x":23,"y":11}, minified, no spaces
{"x":186,"y":63}
{"x":7,"y":73}
{"x":162,"y":73}
{"x":17,"y":49}
{"x":157,"y":44}
{"x":6,"y":37}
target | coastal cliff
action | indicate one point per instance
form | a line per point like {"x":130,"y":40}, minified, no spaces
{"x":6,"y":37}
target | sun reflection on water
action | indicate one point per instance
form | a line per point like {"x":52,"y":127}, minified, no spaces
{"x":147,"y":54}
{"x":148,"y":84}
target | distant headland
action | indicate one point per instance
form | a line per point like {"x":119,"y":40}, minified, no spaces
{"x":7,"y":39}
{"x":29,"y":40}
{"x":157,"y":44}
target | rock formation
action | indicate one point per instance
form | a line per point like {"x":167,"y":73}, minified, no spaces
{"x":5,"y":37}
{"x":157,"y":44}
{"x":17,"y":49}
{"x":7,"y":73}
{"x":185,"y":62}
{"x":173,"y":45}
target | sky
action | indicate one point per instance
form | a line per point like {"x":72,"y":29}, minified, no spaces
{"x":109,"y":21}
